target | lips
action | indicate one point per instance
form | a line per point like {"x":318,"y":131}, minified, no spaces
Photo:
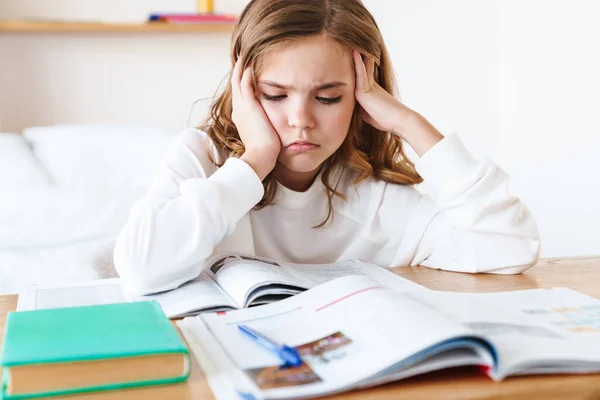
{"x":301,"y":145}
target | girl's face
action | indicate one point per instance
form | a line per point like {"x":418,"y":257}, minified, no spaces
{"x":307,"y":91}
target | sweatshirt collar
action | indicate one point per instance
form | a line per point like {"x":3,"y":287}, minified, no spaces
{"x":289,"y":198}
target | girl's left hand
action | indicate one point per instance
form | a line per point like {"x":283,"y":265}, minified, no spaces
{"x":379,"y":108}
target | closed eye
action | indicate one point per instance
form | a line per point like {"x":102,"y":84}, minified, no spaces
{"x":324,"y":100}
{"x":329,"y":100}
{"x":274,"y":98}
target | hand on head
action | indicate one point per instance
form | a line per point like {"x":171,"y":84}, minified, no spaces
{"x":379,"y":108}
{"x":260,"y":139}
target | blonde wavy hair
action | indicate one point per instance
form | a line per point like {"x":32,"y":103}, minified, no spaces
{"x":264,"y":24}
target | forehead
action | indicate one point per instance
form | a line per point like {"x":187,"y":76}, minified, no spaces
{"x":308,"y":61}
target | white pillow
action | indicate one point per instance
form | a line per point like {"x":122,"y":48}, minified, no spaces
{"x":99,"y":156}
{"x":18,"y":165}
{"x":48,"y":216}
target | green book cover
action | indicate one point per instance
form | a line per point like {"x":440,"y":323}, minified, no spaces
{"x":88,"y":333}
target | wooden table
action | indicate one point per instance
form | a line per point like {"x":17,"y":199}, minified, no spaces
{"x":582,"y":274}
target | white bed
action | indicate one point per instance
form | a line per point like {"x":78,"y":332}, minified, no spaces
{"x":65,"y":191}
{"x":90,"y":259}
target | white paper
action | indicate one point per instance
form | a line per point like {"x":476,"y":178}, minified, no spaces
{"x":348,"y":322}
{"x":542,"y":330}
{"x":198,"y":294}
{"x":225,"y":380}
{"x":239,"y":276}
{"x":242,"y":276}
{"x":238,"y":281}
{"x":354,"y":321}
{"x":103,"y":291}
{"x":317,"y":274}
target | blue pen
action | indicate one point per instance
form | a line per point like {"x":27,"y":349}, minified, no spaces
{"x":288,"y":354}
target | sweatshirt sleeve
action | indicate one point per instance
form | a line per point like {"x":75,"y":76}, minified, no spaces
{"x":468,"y":222}
{"x":189,"y":208}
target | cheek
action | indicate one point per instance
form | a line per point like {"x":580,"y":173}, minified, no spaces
{"x":275,"y":114}
{"x":336,"y":121}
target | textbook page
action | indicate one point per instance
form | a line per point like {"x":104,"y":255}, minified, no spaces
{"x":246,"y":279}
{"x":534,"y":331}
{"x":347,"y":322}
{"x":239,"y":276}
{"x":201,"y":293}
{"x":225,"y":380}
{"x":321,"y":273}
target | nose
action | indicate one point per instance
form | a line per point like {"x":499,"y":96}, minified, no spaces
{"x":300,"y":116}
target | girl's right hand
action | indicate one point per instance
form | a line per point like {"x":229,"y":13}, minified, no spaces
{"x":260,"y":139}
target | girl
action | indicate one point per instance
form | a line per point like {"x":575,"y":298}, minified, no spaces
{"x":301,"y":160}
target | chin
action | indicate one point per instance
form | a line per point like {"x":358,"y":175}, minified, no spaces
{"x":301,"y":164}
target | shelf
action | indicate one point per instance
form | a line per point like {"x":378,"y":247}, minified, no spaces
{"x":82,"y":27}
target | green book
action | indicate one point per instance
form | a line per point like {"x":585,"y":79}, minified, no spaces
{"x":83,"y":349}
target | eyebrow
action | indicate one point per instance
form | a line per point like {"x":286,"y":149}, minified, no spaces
{"x":324,"y":86}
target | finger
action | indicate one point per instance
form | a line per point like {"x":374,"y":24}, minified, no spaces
{"x":366,"y":117}
{"x":370,"y":68}
{"x":236,"y":77}
{"x":361,"y":72}
{"x":246,"y":88}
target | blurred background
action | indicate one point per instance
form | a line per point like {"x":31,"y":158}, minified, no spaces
{"x":517,"y":80}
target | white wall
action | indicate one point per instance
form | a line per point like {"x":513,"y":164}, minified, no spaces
{"x":519,"y":81}
{"x":516,"y":79}
{"x":151,"y":78}
{"x":547,"y":105}
{"x":97,"y":78}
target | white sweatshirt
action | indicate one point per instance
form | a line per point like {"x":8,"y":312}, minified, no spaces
{"x":467,"y":222}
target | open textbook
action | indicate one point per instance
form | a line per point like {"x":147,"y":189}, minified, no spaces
{"x":353,"y":332}
{"x":229,"y":282}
